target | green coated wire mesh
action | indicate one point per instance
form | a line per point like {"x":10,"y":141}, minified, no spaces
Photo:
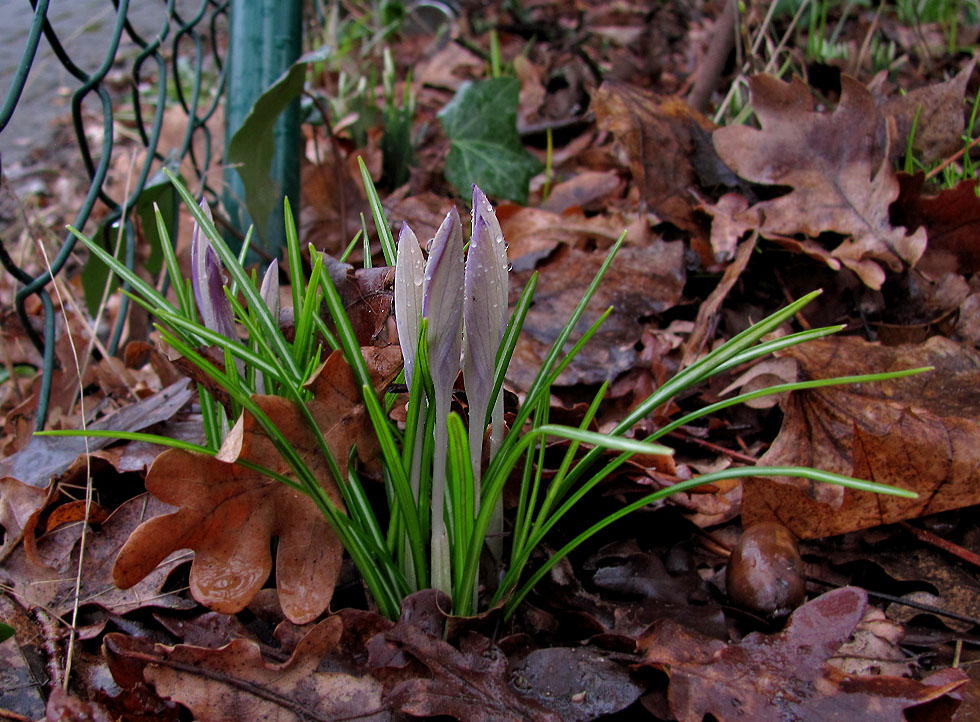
{"x":160,"y":57}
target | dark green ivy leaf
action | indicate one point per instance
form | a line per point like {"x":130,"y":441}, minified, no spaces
{"x":485,"y":148}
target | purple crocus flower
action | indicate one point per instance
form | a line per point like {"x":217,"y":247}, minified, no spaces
{"x":444,"y":291}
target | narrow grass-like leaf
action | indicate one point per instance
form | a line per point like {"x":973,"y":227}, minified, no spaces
{"x":460,"y":488}
{"x":782,"y":389}
{"x":725,"y":474}
{"x":778,"y":344}
{"x":153,"y":297}
{"x":512,"y":455}
{"x":184,"y":300}
{"x":511,"y":334}
{"x":295,"y":258}
{"x":378,"y":212}
{"x":399,"y":480}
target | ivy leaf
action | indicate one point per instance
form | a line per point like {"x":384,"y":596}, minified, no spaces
{"x":485,"y":148}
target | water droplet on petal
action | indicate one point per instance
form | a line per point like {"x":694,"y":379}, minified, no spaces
{"x":428,"y":245}
{"x":510,"y":266}
{"x":506,"y":246}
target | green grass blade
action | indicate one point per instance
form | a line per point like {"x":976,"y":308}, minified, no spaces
{"x":378,"y":211}
{"x":150,"y":294}
{"x":399,"y":480}
{"x":295,"y":258}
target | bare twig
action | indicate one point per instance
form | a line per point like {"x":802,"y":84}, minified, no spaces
{"x":709,"y":74}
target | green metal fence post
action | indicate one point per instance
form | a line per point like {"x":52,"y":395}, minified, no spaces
{"x":265,"y":39}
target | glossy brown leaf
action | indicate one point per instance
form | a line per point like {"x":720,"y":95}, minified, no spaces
{"x":783,"y":676}
{"x":952,"y":220}
{"x":579,"y":683}
{"x":235,"y":682}
{"x":841,"y":179}
{"x":228,"y":514}
{"x":919,"y":432}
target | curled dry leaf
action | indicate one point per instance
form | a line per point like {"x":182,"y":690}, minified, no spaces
{"x":235,"y":682}
{"x":642,"y":281}
{"x":228,"y":514}
{"x":471,"y":684}
{"x":783,"y":676}
{"x":660,"y":136}
{"x":841,"y":178}
{"x":952,"y":220}
{"x":53,"y":587}
{"x":935,"y":111}
{"x":919,"y":433}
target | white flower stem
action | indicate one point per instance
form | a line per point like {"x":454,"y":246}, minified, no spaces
{"x":439,"y":548}
{"x":415,"y":475}
{"x":495,"y":531}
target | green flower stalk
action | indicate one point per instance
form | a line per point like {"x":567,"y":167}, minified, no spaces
{"x":484,"y":322}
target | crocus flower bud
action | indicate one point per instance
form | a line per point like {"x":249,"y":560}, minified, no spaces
{"x":207,"y":279}
{"x":442,"y":305}
{"x":409,"y":278}
{"x":269,"y":291}
{"x":484,"y":306}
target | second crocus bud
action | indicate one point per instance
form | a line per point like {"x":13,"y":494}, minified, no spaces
{"x":207,"y":280}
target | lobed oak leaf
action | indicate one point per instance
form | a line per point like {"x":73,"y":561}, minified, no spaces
{"x":918,"y":432}
{"x":470,"y":684}
{"x":931,"y":114}
{"x":228,"y":514}
{"x":783,"y":676}
{"x":54,"y":586}
{"x":839,"y":172}
{"x":235,"y":682}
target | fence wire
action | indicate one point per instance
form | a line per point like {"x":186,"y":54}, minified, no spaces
{"x":173,"y":62}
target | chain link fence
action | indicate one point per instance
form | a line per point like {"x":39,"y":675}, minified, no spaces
{"x":160,"y":58}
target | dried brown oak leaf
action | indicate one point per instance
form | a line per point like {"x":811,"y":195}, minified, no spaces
{"x":661,"y":136}
{"x":952,"y":220}
{"x":918,"y":432}
{"x":236,"y":683}
{"x":829,"y":160}
{"x":783,"y":676}
{"x":471,"y":684}
{"x":228,"y":514}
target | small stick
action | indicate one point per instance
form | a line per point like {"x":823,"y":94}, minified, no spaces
{"x":709,"y":74}
{"x":952,"y":159}
{"x":947,"y":546}
{"x":738,"y":456}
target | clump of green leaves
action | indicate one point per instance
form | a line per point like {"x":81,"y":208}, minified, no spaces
{"x":443,"y":507}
